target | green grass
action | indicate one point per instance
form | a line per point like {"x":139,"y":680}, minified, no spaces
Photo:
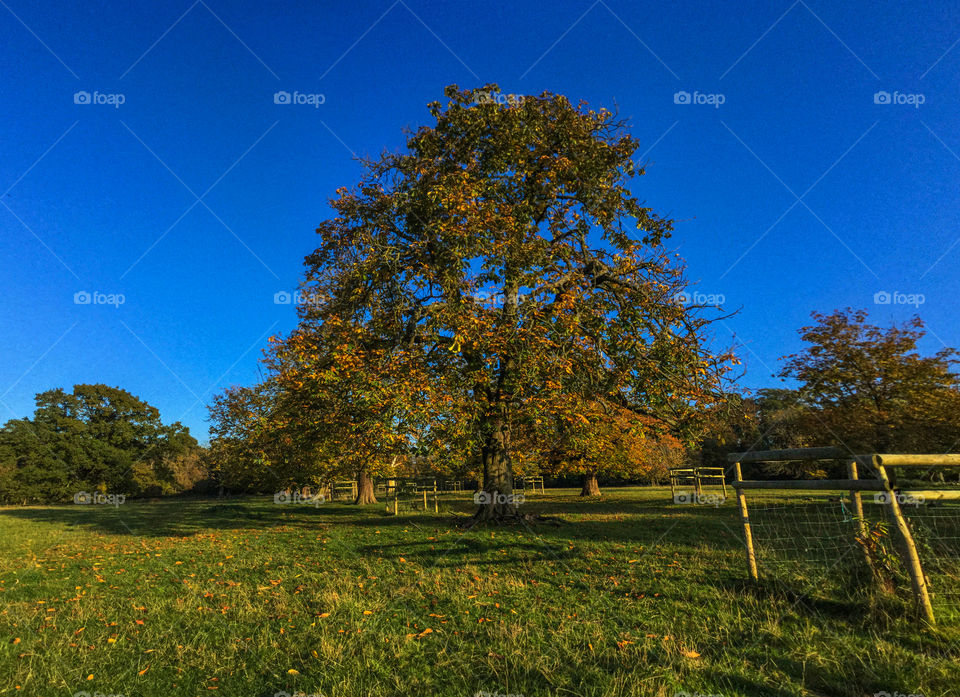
{"x":629,"y":595}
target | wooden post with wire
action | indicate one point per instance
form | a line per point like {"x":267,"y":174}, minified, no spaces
{"x":857,"y":499}
{"x":912,"y":558}
{"x":745,"y":519}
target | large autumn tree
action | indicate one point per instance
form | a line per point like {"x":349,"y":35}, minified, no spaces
{"x":870,"y":389}
{"x":501,"y":259}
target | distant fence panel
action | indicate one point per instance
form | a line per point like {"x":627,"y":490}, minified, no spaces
{"x":695,"y":478}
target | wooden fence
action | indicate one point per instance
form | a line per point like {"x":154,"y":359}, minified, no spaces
{"x":874,"y":467}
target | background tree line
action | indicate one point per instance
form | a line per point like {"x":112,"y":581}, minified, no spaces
{"x":95,"y":438}
{"x":861,"y":387}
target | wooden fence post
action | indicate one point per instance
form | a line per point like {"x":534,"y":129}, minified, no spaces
{"x":745,"y":519}
{"x":857,"y":499}
{"x":912,"y":558}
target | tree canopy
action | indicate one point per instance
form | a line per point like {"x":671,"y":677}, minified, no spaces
{"x":871,"y":390}
{"x":495,"y":277}
{"x":94,"y":438}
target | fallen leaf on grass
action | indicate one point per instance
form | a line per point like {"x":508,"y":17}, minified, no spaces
{"x":421,"y":634}
{"x":691,"y":654}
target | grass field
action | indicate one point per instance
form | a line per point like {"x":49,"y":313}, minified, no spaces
{"x":627,"y":595}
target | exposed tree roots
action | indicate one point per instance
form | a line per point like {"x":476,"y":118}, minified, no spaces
{"x":481,"y":517}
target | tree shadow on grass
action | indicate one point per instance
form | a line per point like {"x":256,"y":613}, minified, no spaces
{"x":470,"y":550}
{"x":183,"y":517}
{"x":687,"y":526}
{"x":795,"y":598}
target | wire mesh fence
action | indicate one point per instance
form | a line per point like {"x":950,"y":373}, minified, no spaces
{"x":815,"y":544}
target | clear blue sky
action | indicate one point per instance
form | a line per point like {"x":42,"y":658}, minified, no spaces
{"x":103,"y":198}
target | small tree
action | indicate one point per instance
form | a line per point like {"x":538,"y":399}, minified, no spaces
{"x":599,"y":439}
{"x":344,"y":394}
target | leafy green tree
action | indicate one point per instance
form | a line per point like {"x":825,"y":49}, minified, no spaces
{"x":94,"y":437}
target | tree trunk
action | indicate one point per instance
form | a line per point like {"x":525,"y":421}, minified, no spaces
{"x":496,"y":500}
{"x":365,"y":489}
{"x":590,"y":485}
